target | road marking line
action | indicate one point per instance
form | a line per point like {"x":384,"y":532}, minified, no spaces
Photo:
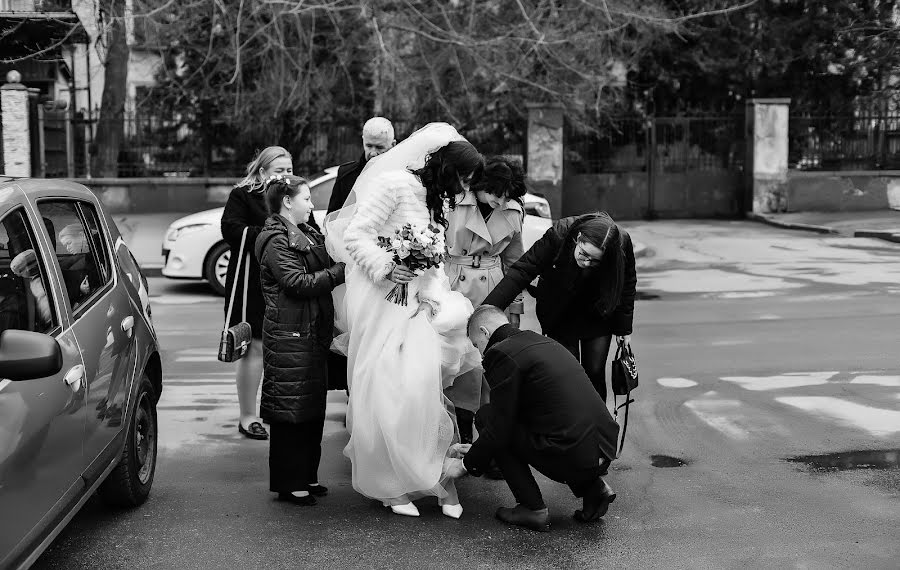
{"x":717,"y":414}
{"x":792,"y":380}
{"x":893,"y":381}
{"x":196,"y":359}
{"x":877,"y":421}
{"x":676,"y":382}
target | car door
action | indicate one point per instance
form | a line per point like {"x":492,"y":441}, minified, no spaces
{"x":103,"y":322}
{"x":42,"y":421}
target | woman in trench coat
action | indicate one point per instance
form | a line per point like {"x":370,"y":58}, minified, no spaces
{"x":484,"y":238}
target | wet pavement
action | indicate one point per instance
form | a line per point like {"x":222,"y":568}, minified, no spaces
{"x":764,"y":435}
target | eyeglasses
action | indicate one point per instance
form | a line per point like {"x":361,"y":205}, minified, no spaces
{"x":581,"y":254}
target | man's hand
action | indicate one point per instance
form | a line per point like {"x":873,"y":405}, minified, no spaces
{"x":454,"y":468}
{"x":401,"y":274}
{"x":85,"y":286}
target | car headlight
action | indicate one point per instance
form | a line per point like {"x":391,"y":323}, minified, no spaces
{"x":175,"y":233}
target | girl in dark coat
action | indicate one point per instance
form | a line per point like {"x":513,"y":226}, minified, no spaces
{"x":586,"y":290}
{"x":297,"y":278}
{"x":246,"y":208}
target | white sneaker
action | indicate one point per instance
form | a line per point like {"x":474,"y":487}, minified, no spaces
{"x":407,"y":510}
{"x":452,"y":511}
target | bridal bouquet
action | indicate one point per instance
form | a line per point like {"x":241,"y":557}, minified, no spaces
{"x":417,"y":248}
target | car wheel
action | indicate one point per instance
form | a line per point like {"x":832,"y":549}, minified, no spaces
{"x":216,"y":267}
{"x":128,"y":485}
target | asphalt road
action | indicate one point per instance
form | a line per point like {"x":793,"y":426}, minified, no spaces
{"x":755,"y":346}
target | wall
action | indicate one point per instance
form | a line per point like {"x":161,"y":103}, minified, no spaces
{"x":842,"y":191}
{"x":152,"y":195}
{"x":692,"y":194}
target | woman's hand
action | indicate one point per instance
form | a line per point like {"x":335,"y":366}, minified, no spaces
{"x":401,"y":274}
{"x":625,"y":340}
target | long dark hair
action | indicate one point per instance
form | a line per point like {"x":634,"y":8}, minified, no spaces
{"x":441,"y":173}
{"x":603,"y":233}
{"x":503,"y":178}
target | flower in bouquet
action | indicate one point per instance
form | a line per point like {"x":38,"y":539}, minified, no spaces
{"x":417,"y":248}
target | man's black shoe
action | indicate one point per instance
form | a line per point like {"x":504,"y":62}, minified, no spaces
{"x":521,"y":516}
{"x":596,"y":502}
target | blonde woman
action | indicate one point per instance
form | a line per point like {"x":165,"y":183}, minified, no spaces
{"x":246,"y":209}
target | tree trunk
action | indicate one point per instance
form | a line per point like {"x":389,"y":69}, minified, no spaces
{"x":112,"y":105}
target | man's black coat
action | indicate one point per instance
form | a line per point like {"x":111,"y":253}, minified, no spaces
{"x":538,"y":387}
{"x":343,"y":183}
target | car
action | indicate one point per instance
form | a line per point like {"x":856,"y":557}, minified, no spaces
{"x":193,"y":246}
{"x":80,"y":367}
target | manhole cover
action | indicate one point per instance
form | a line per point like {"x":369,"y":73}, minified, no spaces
{"x":666,"y":461}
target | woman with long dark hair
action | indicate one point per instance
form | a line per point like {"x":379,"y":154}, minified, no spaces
{"x":585,"y":295}
{"x":400,"y":358}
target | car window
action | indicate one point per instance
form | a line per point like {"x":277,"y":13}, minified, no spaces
{"x":321,"y":193}
{"x":26,"y":301}
{"x":80,"y":248}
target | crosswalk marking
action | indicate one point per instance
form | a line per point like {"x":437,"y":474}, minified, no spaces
{"x":676,"y":382}
{"x":791,"y":380}
{"x":877,"y":380}
{"x":877,"y":421}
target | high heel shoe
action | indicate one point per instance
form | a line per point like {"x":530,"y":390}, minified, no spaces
{"x":407,"y":510}
{"x":452,"y":511}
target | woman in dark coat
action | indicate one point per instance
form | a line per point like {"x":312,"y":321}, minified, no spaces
{"x":586,"y":290}
{"x":246,"y":208}
{"x":297,"y":278}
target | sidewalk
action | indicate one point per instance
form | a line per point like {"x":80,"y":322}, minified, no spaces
{"x":881,"y":224}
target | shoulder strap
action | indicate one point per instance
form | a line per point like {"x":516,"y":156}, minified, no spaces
{"x":628,"y":400}
{"x":234,"y":283}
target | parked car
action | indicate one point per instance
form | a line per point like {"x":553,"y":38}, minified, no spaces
{"x":193,"y":246}
{"x":80,"y":370}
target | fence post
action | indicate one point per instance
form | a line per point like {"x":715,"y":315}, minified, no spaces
{"x":650,"y":137}
{"x":770,"y":154}
{"x":16,"y":128}
{"x":545,"y":153}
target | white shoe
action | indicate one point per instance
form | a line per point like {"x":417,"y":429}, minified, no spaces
{"x":407,"y":510}
{"x":452,"y":511}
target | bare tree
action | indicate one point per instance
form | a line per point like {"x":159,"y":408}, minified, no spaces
{"x":110,"y":128}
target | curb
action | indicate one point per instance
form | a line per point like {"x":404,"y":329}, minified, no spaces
{"x":151,"y":271}
{"x":887,"y":236}
{"x":790,"y":226}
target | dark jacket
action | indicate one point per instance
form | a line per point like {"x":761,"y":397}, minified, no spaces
{"x":245,"y":209}
{"x":539,"y":387}
{"x":552,"y":259}
{"x":297,"y":277}
{"x":343,"y":183}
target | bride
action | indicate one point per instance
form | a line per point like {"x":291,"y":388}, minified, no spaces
{"x":400,"y":358}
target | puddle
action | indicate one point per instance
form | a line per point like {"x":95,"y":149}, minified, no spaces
{"x":847,"y":460}
{"x":664,"y":461}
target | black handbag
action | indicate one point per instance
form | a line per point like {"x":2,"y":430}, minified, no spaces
{"x":235,"y":341}
{"x":624,"y":380}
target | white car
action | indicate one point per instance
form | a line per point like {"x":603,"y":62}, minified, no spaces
{"x":193,"y":246}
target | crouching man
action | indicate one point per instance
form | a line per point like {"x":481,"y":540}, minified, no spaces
{"x":544,"y":413}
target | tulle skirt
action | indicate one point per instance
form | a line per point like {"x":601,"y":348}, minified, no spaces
{"x":401,"y":424}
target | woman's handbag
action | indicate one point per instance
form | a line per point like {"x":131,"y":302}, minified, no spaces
{"x":235,"y":341}
{"x":624,"y":380}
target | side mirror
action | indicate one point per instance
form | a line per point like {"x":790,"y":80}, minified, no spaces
{"x":25,"y":355}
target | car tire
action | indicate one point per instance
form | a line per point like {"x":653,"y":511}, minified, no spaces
{"x":216,"y":266}
{"x":128,"y":485}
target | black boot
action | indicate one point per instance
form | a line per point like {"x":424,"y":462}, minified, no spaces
{"x":465,"y":420}
{"x":596,"y":502}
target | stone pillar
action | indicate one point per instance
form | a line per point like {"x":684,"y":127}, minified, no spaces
{"x":769,"y":159}
{"x":16,"y":134}
{"x":545,"y":153}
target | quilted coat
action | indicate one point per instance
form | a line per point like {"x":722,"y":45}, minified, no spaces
{"x":297,"y":277}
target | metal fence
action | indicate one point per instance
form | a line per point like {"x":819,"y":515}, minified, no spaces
{"x":623,"y":144}
{"x":156,"y":146}
{"x":861,"y":141}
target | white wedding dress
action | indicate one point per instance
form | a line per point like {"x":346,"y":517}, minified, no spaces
{"x":401,"y":425}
